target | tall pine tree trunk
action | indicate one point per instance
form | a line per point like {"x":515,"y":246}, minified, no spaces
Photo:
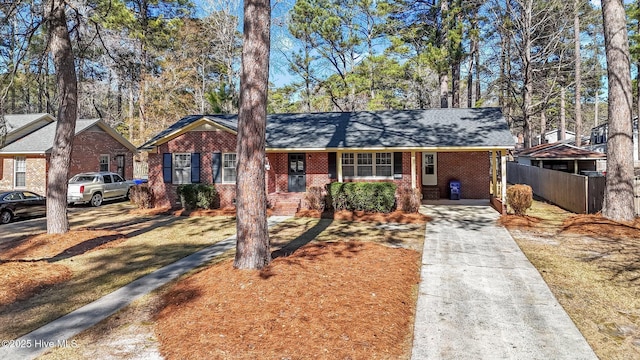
{"x":578,"y":65}
{"x":562,"y":129}
{"x":67,"y":85}
{"x":543,"y":126}
{"x":618,"y":194}
{"x":444,"y":76}
{"x":252,"y":249}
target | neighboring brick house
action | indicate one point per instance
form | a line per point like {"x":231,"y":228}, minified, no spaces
{"x":420,"y":149}
{"x":24,"y":159}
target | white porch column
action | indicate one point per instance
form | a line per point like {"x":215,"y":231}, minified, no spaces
{"x":339,"y":165}
{"x":503,"y":168}
{"x":575,"y":166}
{"x":413,"y":170}
{"x":494,"y":173}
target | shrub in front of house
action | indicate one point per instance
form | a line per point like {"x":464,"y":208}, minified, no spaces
{"x":409,"y":199}
{"x":198,"y":196}
{"x":315,"y":198}
{"x":520,"y":198}
{"x":141,"y":196}
{"x":363,"y":196}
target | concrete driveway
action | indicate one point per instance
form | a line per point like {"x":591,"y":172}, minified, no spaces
{"x":480,"y":298}
{"x":79,"y":215}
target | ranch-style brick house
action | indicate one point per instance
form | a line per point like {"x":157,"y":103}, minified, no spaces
{"x":25,"y":156}
{"x":419,"y":149}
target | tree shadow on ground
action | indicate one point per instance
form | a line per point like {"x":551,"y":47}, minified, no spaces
{"x":303,"y":239}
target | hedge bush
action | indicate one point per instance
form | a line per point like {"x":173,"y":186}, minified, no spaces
{"x":409,"y":199}
{"x":520,"y":198}
{"x":198,"y":196}
{"x":363,"y":196}
{"x":142,"y":196}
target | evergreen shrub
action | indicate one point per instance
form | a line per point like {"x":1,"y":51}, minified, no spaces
{"x":363,"y":196}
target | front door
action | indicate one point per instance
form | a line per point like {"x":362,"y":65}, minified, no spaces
{"x":297,"y":173}
{"x":429,"y":169}
{"x":120,"y":164}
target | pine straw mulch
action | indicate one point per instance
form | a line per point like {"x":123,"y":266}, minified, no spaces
{"x":397,"y":216}
{"x":596,"y":225}
{"x":338,"y":300}
{"x":517,"y":221}
{"x":27,"y":265}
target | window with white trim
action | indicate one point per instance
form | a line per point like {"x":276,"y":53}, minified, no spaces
{"x":384,"y":167}
{"x":348,"y":168}
{"x":430,"y":164}
{"x":182,"y":168}
{"x":229,"y":168}
{"x":20,"y":172}
{"x":104,"y":162}
{"x":367,"y":165}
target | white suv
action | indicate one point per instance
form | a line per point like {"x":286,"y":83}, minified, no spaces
{"x":93,"y":187}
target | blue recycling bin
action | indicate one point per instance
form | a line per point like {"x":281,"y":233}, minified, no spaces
{"x":454,"y":189}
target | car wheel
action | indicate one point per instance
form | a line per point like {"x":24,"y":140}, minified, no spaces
{"x":5,"y":217}
{"x":128,"y":196}
{"x":96,"y":199}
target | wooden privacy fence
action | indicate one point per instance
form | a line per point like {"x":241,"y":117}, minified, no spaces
{"x":576,"y":193}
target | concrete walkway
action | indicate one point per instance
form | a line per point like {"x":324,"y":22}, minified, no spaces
{"x":480,"y":298}
{"x":59,"y":332}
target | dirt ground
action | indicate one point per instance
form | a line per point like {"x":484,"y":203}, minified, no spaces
{"x":592,"y":265}
{"x":336,"y":299}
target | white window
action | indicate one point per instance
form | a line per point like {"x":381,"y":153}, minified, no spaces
{"x":229,"y":168}
{"x":182,"y":168}
{"x":383,"y":164}
{"x":348,"y":168}
{"x":429,"y":164}
{"x":104,"y":162}
{"x":365,"y":164}
{"x":20,"y":172}
{"x":372,"y":165}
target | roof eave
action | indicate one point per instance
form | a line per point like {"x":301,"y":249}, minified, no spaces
{"x":192,"y":125}
{"x":396,"y":148}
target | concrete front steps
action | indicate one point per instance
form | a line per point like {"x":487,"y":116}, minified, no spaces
{"x":285,"y":203}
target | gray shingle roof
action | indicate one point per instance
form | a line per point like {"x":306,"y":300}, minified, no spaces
{"x":455,"y":128}
{"x":41,"y":141}
{"x":17,"y":121}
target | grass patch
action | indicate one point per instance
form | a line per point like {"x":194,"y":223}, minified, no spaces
{"x":592,"y":265}
{"x":151,"y":243}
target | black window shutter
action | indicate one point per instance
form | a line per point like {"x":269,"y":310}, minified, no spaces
{"x":333,"y":173}
{"x":216,"y":166}
{"x":397,"y":164}
{"x":195,"y":168}
{"x":166,"y":167}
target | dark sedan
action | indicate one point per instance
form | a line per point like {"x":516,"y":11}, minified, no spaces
{"x":20,"y":204}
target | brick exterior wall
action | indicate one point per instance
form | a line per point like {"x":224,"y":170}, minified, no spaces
{"x":471,"y":168}
{"x":87,"y":148}
{"x":6,"y":173}
{"x":93,"y":142}
{"x":203,"y":142}
{"x":35,"y":177}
